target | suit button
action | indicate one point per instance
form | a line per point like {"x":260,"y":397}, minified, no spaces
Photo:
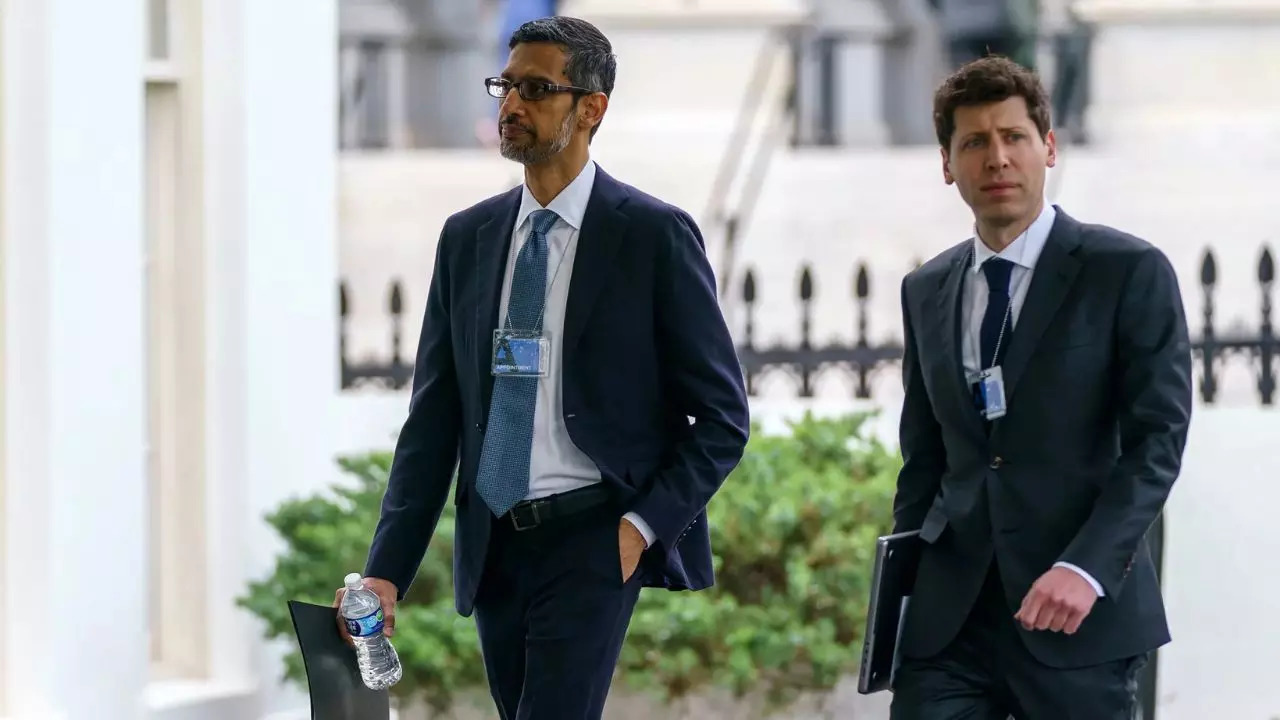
{"x":996,"y":463}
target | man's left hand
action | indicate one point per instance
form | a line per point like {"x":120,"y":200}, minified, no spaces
{"x":1059,"y":601}
{"x":630,"y":546}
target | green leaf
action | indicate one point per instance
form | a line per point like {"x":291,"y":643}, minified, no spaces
{"x":792,"y":530}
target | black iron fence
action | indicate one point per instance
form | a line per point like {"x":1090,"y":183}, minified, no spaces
{"x":861,"y":357}
{"x":388,"y":373}
{"x":1261,"y":346}
{"x":804,"y":359}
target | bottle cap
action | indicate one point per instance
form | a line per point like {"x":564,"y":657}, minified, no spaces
{"x":352,"y":581}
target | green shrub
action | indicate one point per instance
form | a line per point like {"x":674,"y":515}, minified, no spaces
{"x":793,"y":531}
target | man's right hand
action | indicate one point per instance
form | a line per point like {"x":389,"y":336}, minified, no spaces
{"x":386,"y":592}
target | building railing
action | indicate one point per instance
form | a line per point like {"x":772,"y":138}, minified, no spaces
{"x":861,"y":358}
{"x":1262,"y":347}
{"x":389,"y":373}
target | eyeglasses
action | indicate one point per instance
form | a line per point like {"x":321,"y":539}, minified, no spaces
{"x":530,"y":90}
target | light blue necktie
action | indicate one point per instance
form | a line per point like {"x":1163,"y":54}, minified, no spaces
{"x":503,"y":477}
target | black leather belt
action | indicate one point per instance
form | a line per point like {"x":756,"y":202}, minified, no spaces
{"x":530,"y":514}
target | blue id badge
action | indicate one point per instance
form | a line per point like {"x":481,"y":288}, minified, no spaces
{"x":520,"y":354}
{"x":991,"y":393}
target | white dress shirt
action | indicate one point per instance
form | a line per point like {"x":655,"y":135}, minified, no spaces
{"x":556,"y":465}
{"x":1023,"y":252}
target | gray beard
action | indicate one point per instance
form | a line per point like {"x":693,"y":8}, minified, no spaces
{"x":540,"y":152}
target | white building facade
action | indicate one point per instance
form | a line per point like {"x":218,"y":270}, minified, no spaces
{"x":167,"y":349}
{"x":168,"y":339}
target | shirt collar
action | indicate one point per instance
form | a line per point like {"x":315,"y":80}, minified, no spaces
{"x":1025,"y":249}
{"x":570,"y":204}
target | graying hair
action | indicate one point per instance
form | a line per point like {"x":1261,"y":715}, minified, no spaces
{"x":589,"y":59}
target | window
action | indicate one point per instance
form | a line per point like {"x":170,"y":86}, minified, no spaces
{"x":158,"y":29}
{"x":160,"y":38}
{"x":172,"y":254}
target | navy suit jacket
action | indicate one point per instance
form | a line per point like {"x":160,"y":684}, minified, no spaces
{"x":645,"y":349}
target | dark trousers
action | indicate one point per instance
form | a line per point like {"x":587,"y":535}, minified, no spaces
{"x":986,"y":673}
{"x":552,"y":611}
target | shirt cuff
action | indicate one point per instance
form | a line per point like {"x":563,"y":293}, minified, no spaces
{"x":1088,"y":578}
{"x":642,"y":526}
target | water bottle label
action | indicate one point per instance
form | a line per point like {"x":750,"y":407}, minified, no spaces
{"x":370,"y":624}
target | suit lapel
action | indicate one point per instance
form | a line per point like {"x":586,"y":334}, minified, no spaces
{"x":603,"y":229}
{"x":493,"y":244}
{"x":1055,"y":271}
{"x":951,"y":311}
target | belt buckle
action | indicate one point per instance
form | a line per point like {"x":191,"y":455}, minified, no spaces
{"x":537,"y":519}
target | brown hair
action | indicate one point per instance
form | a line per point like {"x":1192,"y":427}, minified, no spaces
{"x":990,"y":79}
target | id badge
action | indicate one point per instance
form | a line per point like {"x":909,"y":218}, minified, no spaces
{"x":991,"y":393}
{"x":520,"y":354}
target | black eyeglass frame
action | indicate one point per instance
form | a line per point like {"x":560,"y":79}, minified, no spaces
{"x":500,"y":87}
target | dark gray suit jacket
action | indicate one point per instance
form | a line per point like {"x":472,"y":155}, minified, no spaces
{"x":1098,"y":381}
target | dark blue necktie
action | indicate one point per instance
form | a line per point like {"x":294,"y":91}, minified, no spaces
{"x":503,"y":477}
{"x":998,"y":316}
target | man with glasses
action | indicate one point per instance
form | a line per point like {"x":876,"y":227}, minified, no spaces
{"x":575,"y":367}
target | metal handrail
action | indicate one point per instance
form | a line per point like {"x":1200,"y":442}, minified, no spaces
{"x":718,"y":214}
{"x":736,"y":222}
{"x":751,"y":101}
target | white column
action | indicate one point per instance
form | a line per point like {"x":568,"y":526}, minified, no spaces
{"x":4,"y":513}
{"x":860,"y":30}
{"x":76,"y":502}
{"x":399,"y":130}
{"x":860,"y":59}
{"x":228,"y":508}
{"x":26,"y":377}
{"x":1186,"y":75}
{"x":290,"y":261}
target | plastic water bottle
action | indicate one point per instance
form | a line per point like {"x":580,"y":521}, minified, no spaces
{"x":362,"y":611}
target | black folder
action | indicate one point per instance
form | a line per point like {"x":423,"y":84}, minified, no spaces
{"x":333,"y":677}
{"x":891,"y":585}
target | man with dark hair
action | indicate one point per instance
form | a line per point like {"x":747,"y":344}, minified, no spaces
{"x":585,"y":462}
{"x":1047,"y":372}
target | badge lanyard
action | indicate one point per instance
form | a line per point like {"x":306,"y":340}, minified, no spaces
{"x":1008,"y":314}
{"x":545,"y":293}
{"x":990,"y":381}
{"x":995,"y":354}
{"x":525,"y":352}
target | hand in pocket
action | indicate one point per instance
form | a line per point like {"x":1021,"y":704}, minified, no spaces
{"x":630,"y":547}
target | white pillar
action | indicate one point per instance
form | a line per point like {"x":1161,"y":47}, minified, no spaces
{"x":4,"y":513}
{"x":860,"y":59}
{"x":1186,"y":75}
{"x":859,"y":31}
{"x":75,"y":513}
{"x":228,"y":509}
{"x":290,"y":265}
